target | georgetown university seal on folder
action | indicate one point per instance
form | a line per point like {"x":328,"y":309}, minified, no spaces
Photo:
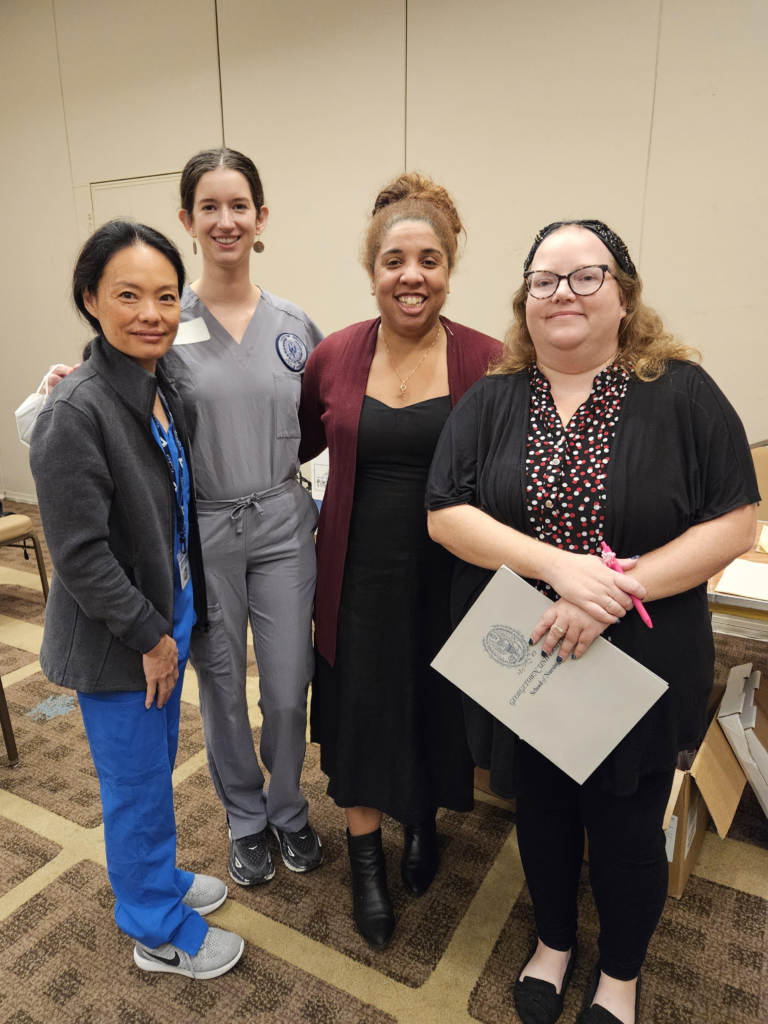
{"x":508,"y":647}
{"x":573,"y":712}
{"x":292,"y":351}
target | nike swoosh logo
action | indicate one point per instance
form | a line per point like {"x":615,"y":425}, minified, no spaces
{"x":173,"y":961}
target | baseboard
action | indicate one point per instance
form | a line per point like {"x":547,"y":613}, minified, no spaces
{"x":27,"y":499}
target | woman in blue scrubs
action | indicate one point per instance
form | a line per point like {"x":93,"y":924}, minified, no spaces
{"x":110,"y":459}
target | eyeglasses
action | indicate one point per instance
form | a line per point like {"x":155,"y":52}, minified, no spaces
{"x":542,"y":284}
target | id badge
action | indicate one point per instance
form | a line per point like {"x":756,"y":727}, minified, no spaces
{"x":183,"y":559}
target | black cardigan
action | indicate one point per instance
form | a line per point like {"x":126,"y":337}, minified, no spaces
{"x":108,"y":512}
{"x":679,"y":457}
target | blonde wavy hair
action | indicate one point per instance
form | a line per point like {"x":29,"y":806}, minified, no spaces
{"x":645,"y":345}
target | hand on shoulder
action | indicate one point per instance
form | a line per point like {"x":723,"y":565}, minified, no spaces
{"x":57,"y":373}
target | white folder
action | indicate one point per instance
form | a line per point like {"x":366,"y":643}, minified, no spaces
{"x":576,"y":712}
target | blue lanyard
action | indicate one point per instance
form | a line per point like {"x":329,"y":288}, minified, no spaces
{"x":178,"y":489}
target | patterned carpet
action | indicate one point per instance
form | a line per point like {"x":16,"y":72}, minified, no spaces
{"x":706,"y":962}
{"x":56,"y":771}
{"x":319,"y":905}
{"x":21,"y":854}
{"x":64,"y":960}
{"x":456,"y":951}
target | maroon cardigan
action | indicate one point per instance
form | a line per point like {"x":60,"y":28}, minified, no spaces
{"x":332,"y":393}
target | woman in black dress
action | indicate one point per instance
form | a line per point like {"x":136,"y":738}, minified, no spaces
{"x":377,"y":394}
{"x":596,"y":426}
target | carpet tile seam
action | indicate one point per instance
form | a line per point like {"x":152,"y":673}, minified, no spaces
{"x":487,"y":912}
{"x":20,"y":674}
{"x":18,"y":578}
{"x":39,"y":880}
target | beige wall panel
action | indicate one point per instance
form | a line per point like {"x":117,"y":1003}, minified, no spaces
{"x":705,"y":261}
{"x":529,"y":114}
{"x":140,"y":82}
{"x":153,"y":201}
{"x":314,"y":93}
{"x":39,"y":230}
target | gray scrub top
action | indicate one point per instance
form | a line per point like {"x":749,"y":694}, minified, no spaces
{"x":242,"y":401}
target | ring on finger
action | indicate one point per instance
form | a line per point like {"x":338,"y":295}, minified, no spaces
{"x":610,"y":605}
{"x":558,"y":628}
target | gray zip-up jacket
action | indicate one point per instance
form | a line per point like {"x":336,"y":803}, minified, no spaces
{"x":107,"y":506}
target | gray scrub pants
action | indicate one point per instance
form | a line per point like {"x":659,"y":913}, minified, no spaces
{"x":259,"y":554}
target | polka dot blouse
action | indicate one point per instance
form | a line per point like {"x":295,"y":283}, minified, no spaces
{"x":566,"y":466}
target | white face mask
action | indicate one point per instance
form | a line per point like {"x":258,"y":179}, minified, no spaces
{"x":29,"y":410}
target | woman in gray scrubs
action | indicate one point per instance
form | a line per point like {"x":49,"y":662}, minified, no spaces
{"x":238,"y":362}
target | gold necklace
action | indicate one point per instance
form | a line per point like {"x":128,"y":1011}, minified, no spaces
{"x":404,"y":383}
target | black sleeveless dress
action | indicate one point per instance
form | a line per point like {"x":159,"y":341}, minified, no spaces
{"x":391,"y":729}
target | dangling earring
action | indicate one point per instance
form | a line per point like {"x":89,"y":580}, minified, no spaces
{"x":258,"y":245}
{"x":194,"y":246}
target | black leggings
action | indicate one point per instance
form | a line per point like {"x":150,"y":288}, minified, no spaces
{"x":628,"y":865}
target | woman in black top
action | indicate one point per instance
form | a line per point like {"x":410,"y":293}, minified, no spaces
{"x":595,"y":426}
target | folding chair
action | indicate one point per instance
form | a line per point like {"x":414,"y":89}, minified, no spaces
{"x":5,"y":723}
{"x":15,"y":530}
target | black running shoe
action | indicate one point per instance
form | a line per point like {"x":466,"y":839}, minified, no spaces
{"x":250,"y":862}
{"x":301,"y":851}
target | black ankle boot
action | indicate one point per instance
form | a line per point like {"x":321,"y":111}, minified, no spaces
{"x":421,"y":857}
{"x":371,"y":905}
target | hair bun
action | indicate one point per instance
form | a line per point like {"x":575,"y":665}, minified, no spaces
{"x":413,"y":185}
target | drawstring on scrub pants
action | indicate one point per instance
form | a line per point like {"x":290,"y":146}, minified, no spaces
{"x":241,"y":504}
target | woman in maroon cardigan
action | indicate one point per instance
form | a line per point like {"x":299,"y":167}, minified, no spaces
{"x":377,"y":394}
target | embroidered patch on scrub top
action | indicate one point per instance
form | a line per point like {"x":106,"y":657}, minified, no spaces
{"x":292,"y":351}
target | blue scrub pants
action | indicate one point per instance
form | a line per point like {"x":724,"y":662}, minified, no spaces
{"x":134,"y":750}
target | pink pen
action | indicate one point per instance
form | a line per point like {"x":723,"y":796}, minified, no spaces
{"x":611,"y":561}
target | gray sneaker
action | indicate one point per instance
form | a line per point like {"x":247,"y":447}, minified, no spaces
{"x":206,"y":894}
{"x":218,"y":954}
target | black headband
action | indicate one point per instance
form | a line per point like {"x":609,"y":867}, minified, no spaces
{"x":609,"y":238}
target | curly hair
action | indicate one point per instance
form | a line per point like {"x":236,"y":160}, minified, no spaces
{"x":412,"y":196}
{"x":645,"y":344}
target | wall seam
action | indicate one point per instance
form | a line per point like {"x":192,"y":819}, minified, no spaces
{"x":63,"y":107}
{"x":650,"y":134}
{"x":218,"y":63}
{"x":405,"y":96}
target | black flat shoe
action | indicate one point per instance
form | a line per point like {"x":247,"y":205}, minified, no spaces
{"x":598,"y":1014}
{"x":371,"y":904}
{"x":421,"y":857}
{"x":537,"y":1001}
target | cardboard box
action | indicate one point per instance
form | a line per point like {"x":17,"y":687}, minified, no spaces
{"x":743,"y":717}
{"x":710,"y":790}
{"x":483,"y":783}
